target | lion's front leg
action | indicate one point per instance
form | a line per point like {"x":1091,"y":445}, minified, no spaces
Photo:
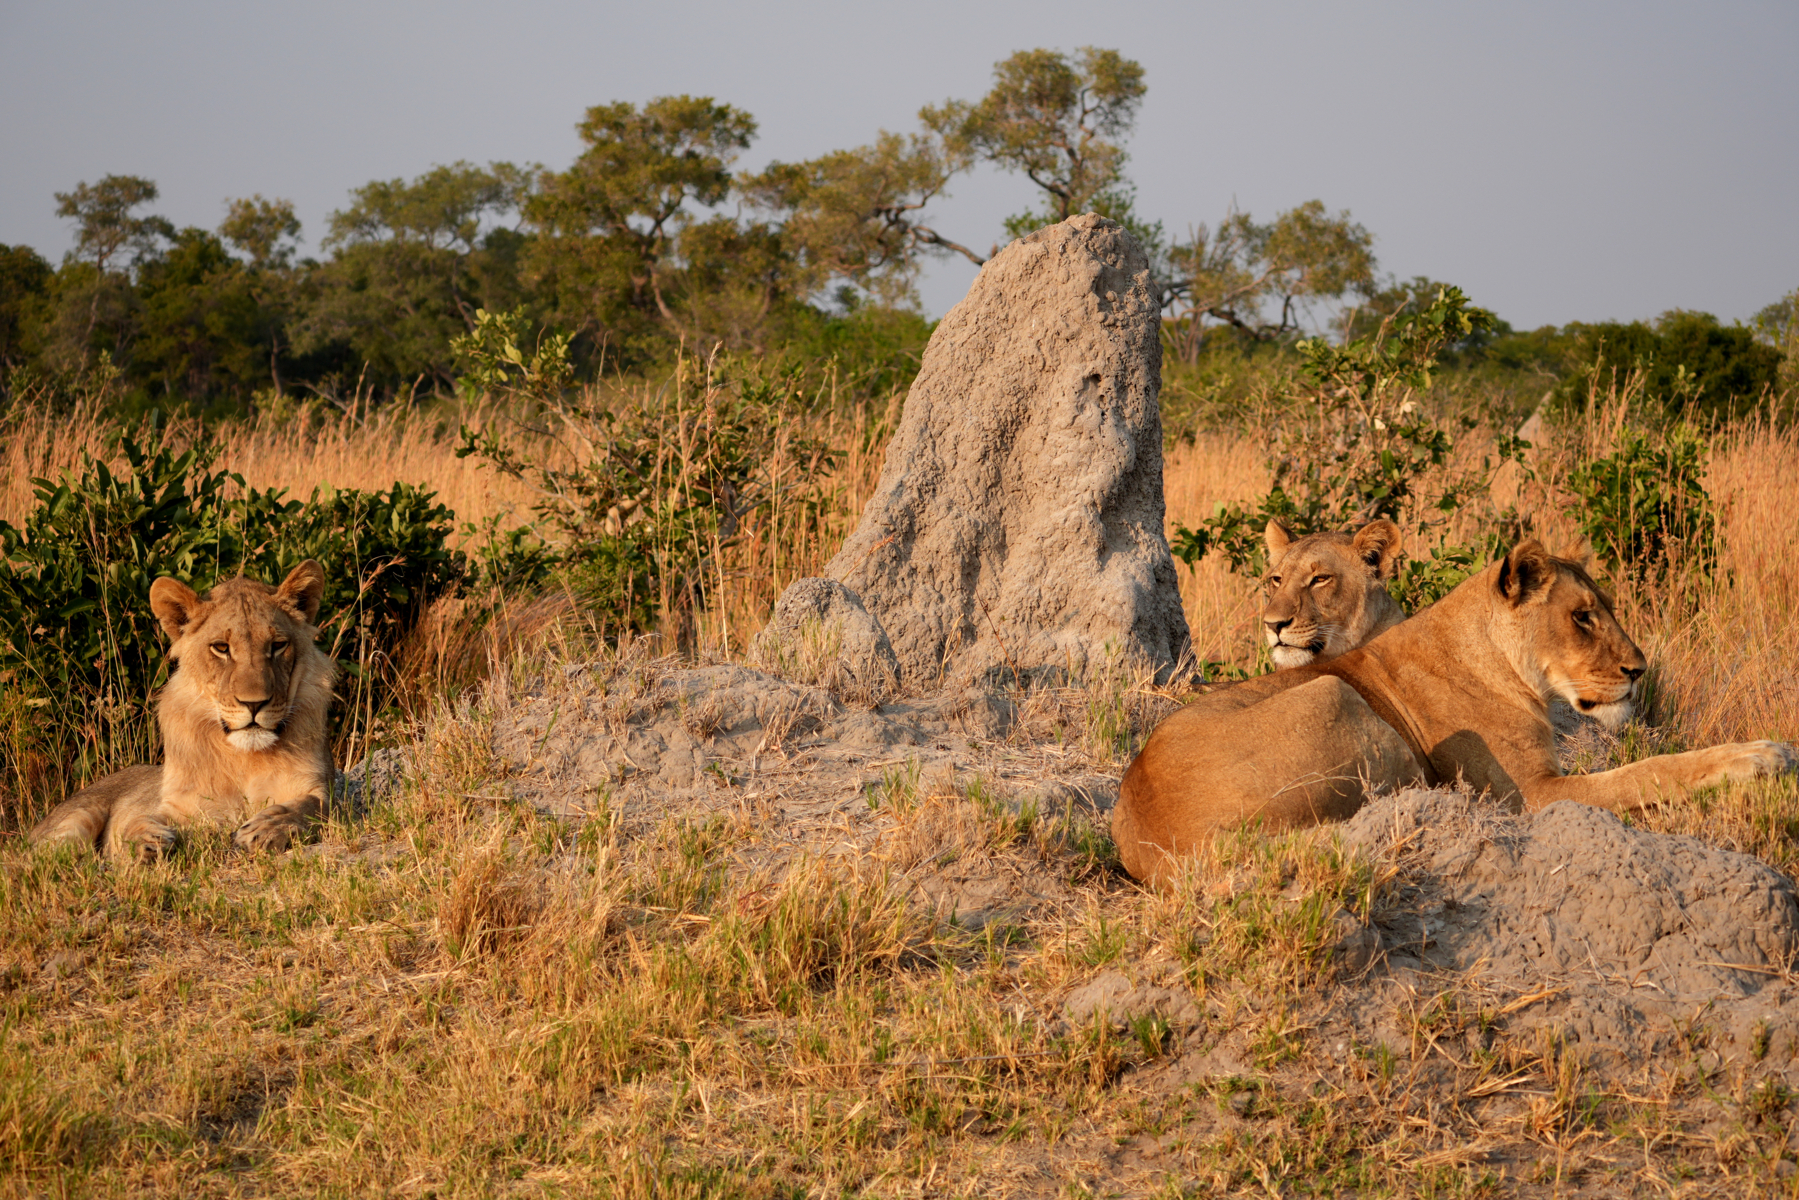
{"x":142,"y":828}
{"x":279,"y":825}
{"x":1666,"y":776}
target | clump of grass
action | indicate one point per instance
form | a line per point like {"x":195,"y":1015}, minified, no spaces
{"x":43,"y":1135}
{"x":492,"y":901}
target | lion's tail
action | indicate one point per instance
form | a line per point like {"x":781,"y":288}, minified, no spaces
{"x":82,"y":818}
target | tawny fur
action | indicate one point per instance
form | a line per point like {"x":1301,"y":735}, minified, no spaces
{"x":1460,"y":691}
{"x":243,"y":726}
{"x":1326,"y":593}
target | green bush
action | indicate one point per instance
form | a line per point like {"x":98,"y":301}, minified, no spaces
{"x":666,"y":480}
{"x":1353,"y":443}
{"x":81,"y":656}
{"x":1644,"y":506}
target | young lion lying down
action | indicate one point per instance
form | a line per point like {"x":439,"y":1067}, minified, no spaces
{"x":243,"y":725}
{"x":1460,"y":691}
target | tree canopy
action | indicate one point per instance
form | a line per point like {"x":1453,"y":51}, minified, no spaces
{"x":654,"y":237}
{"x":1058,"y":120}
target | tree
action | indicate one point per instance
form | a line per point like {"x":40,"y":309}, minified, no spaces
{"x":1695,"y":365}
{"x":265,"y":231}
{"x":1059,"y":121}
{"x":104,"y":221}
{"x":25,"y":284}
{"x":105,"y":228}
{"x":858,"y":215}
{"x":413,"y":262}
{"x":1778,"y":326}
{"x":612,"y":223}
{"x":200,"y":328}
{"x":261,"y":229}
{"x":1260,"y":280}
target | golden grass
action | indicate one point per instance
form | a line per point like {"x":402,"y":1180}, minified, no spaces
{"x":318,"y":446}
{"x":1718,"y":642}
{"x":453,"y":999}
{"x":1215,"y":468}
{"x":450,"y":998}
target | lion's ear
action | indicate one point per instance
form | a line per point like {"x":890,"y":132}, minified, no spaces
{"x":1526,"y":572}
{"x":174,"y":604}
{"x":302,"y":590}
{"x":1379,"y":543}
{"x":1277,"y":538}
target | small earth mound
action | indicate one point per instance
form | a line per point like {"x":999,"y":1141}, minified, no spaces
{"x":1626,"y":933}
{"x":820,"y":777}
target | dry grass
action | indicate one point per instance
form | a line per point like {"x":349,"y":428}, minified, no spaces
{"x":314,"y":447}
{"x":1214,"y":469}
{"x":446,"y":999}
{"x":452,"y":998}
{"x":450,"y":995}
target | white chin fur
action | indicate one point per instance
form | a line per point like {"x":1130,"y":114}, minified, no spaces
{"x":252,"y":739}
{"x":1290,"y":656}
{"x":1612,"y":716}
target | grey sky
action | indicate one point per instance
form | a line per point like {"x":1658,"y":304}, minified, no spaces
{"x":1561,"y":161}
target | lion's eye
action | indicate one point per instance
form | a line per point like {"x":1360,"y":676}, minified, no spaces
{"x":1320,"y":580}
{"x":222,"y":649}
{"x":1274,"y":581}
{"x":1584,"y":618}
{"x":276,"y":648}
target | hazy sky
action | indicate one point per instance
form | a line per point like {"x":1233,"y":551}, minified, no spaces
{"x":1559,"y":161}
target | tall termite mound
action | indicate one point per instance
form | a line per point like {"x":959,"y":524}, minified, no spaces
{"x":1017,"y":528}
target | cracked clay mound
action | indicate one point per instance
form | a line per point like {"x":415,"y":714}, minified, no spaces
{"x":1634,"y":931}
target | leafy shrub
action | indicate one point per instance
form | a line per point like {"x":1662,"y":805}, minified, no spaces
{"x":1644,"y":506}
{"x":1354,"y":444}
{"x":664,"y":481}
{"x":80,"y":653}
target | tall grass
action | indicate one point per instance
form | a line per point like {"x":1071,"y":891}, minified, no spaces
{"x":1717,"y":636}
{"x":453,"y":997}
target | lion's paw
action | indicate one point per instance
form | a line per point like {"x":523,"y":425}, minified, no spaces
{"x":272,"y":830}
{"x":1758,"y":760}
{"x":150,"y":840}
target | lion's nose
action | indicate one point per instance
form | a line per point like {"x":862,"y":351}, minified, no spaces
{"x":1275,"y":627}
{"x":1632,"y":673}
{"x":252,"y":706}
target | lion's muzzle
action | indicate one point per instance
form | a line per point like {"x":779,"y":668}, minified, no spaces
{"x":254,"y":726}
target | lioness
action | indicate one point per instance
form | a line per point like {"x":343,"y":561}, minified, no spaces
{"x":1326,"y":593}
{"x":243,"y":725}
{"x":1461,"y":690}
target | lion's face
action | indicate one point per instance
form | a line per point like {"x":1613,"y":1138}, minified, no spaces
{"x":240,"y":647}
{"x":1568,"y":636}
{"x":1325,"y":594}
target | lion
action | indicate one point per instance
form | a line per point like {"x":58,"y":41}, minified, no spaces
{"x":1326,"y":593}
{"x":1460,"y":692}
{"x":243,"y":726}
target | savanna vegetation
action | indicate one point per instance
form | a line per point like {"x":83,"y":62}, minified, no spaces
{"x":530,"y":417}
